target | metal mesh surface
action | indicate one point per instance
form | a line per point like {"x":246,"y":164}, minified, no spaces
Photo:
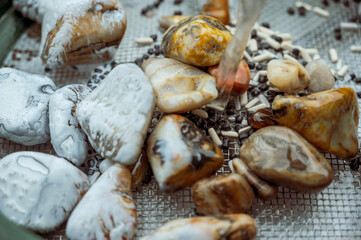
{"x":334,"y":213}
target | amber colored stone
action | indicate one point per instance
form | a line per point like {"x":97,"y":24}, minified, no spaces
{"x":218,"y":9}
{"x":262,"y":118}
{"x":328,"y":119}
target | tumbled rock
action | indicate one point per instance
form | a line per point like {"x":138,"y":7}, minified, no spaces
{"x":82,"y":32}
{"x":218,"y":9}
{"x":24,"y":100}
{"x":116,"y":115}
{"x":67,"y":138}
{"x":107,"y":210}
{"x":328,"y":120}
{"x":283,"y":157}
{"x":138,"y":169}
{"x":180,"y":154}
{"x":233,"y":226}
{"x":167,"y":21}
{"x":222,"y":194}
{"x":38,"y":191}
{"x":321,"y":76}
{"x":199,"y":40}
{"x":265,"y":190}
{"x":36,"y":9}
{"x":179,"y":87}
{"x":289,"y":76}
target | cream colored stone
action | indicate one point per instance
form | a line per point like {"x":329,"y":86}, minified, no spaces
{"x":179,"y":87}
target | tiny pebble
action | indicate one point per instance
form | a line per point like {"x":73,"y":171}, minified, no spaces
{"x":243,"y":130}
{"x":144,"y":41}
{"x":232,"y":134}
{"x":200,"y":113}
{"x":258,"y":107}
{"x":214,"y":137}
{"x":252,"y":103}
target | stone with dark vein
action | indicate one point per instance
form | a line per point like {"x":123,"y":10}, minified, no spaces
{"x":282,"y":156}
{"x":67,"y":138}
{"x":115,"y":116}
{"x":180,"y":154}
{"x":24,"y":100}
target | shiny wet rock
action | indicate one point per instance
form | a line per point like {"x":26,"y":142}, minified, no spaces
{"x":282,"y":156}
{"x":180,"y":154}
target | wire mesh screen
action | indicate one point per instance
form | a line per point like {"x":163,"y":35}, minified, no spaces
{"x":334,"y":213}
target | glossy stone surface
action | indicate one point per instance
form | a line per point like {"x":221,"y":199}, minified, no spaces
{"x":107,"y":210}
{"x":179,"y":87}
{"x":265,"y":190}
{"x":67,"y":138}
{"x":262,"y":118}
{"x":24,"y":100}
{"x":82,"y":32}
{"x":218,"y":9}
{"x":180,"y":154}
{"x":326,"y":119}
{"x":199,"y":40}
{"x":116,"y":115}
{"x":222,"y":194}
{"x":233,"y":226}
{"x":167,"y":21}
{"x":283,"y":157}
{"x":321,"y":76}
{"x":38,"y":191}
{"x":289,"y":76}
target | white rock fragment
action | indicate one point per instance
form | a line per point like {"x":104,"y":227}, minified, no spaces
{"x":144,"y":41}
{"x":355,"y":48}
{"x":303,"y":4}
{"x":290,"y":58}
{"x":252,"y":103}
{"x":257,"y":107}
{"x":263,"y":73}
{"x":264,"y":100}
{"x":285,"y":36}
{"x":262,"y":57}
{"x":200,"y":113}
{"x":311,"y":51}
{"x":253,"y":83}
{"x":321,"y":12}
{"x":274,"y":44}
{"x":243,"y":130}
{"x":256,"y":77}
{"x":231,"y":134}
{"x":116,"y":115}
{"x":305,"y":55}
{"x":333,"y":55}
{"x":67,"y":138}
{"x":24,"y":100}
{"x":38,"y":191}
{"x":107,"y":210}
{"x":253,"y":46}
{"x":244,"y":99}
{"x":214,"y":136}
{"x":342,"y":72}
{"x":321,"y":76}
{"x":349,"y":26}
{"x":247,"y":56}
{"x":286,"y":45}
